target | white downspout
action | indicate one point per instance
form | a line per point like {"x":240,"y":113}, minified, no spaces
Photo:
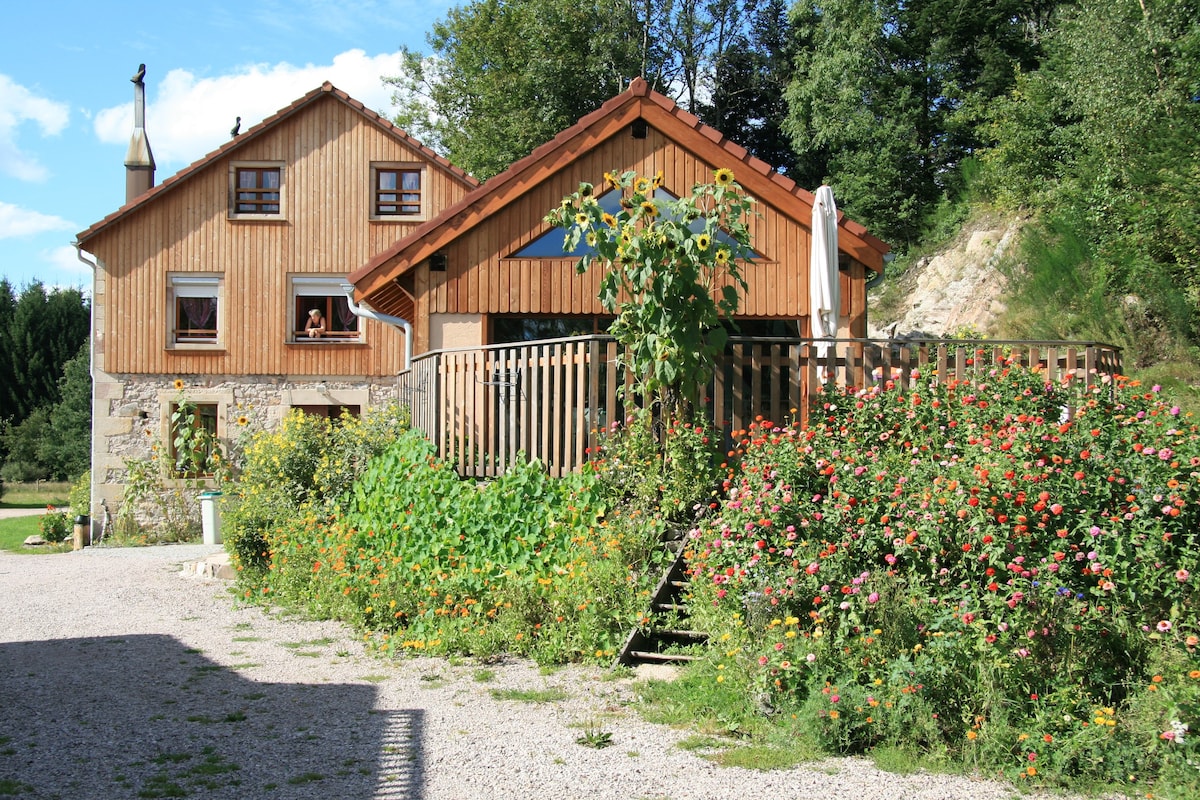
{"x":403,"y":324}
{"x":92,"y":488}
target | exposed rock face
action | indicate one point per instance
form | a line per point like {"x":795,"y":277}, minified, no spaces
{"x":959,"y":287}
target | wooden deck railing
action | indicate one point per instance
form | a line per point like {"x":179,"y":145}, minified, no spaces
{"x":483,"y":406}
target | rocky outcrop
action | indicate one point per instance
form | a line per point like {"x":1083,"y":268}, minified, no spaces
{"x":959,"y":288}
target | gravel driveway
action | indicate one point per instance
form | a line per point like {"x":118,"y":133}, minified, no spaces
{"x":120,"y":677}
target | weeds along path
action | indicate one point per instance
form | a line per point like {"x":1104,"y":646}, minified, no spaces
{"x":121,"y":677}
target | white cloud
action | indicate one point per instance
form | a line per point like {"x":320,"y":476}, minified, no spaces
{"x":64,"y":261}
{"x":188,"y":117}
{"x":16,"y":221}
{"x":19,"y":105}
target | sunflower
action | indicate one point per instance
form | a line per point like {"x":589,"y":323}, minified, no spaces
{"x":581,"y":218}
{"x":723,"y":176}
{"x":178,"y":383}
{"x":612,"y":180}
{"x":649,"y":209}
{"x":243,"y":420}
{"x":591,"y":239}
{"x":609,"y":219}
{"x":722,"y":257}
{"x":658,"y":180}
{"x":703,"y":241}
{"x":626,"y":237}
{"x":641,"y":185}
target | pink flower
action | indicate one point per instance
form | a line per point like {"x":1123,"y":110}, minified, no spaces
{"x":873,"y":597}
{"x":1163,"y":625}
{"x":812,"y":568}
{"x":1182,"y":575}
{"x":834,"y":698}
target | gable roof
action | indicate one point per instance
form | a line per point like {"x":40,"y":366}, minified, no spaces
{"x":326,"y":89}
{"x":376,"y":277}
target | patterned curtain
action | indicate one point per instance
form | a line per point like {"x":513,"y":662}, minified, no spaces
{"x":344,"y":315}
{"x":201,"y":312}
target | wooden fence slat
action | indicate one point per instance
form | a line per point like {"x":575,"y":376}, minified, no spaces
{"x":483,"y":406}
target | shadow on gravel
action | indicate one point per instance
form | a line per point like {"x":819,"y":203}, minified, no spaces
{"x":143,"y":716}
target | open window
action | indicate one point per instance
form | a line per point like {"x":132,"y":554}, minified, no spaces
{"x":194,"y":306}
{"x":320,"y":312}
{"x":256,"y":190}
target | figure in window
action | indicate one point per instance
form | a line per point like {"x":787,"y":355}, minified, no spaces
{"x":315,"y":327}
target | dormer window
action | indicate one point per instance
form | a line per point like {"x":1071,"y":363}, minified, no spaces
{"x":256,"y":191}
{"x":398,"y":192}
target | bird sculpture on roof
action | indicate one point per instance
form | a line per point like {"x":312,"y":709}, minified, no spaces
{"x":141,"y":73}
{"x":236,"y":129}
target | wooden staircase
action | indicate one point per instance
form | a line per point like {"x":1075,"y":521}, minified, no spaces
{"x":666,"y":636}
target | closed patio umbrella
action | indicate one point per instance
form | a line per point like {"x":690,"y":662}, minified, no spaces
{"x":823,"y":285}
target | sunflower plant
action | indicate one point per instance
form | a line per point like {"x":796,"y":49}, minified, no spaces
{"x":671,"y":274}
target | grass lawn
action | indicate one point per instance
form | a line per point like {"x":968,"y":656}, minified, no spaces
{"x":35,"y":495}
{"x":14,"y":531}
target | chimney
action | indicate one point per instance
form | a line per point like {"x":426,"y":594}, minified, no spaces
{"x":139,"y":161}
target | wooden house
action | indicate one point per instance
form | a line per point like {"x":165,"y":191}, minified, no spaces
{"x":465,"y":276}
{"x":488,"y":273}
{"x":204,"y":283}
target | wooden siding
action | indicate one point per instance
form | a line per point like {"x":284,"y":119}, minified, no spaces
{"x":325,"y":229}
{"x":480,"y":279}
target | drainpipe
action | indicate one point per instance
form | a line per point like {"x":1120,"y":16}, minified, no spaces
{"x":403,"y":324}
{"x":91,"y":374}
{"x":877,"y":278}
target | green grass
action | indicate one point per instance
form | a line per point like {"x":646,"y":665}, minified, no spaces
{"x":530,"y":695}
{"x":14,"y":531}
{"x":35,"y":495}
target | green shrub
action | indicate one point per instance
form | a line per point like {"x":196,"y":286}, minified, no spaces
{"x":305,"y":466}
{"x":80,"y":496}
{"x":55,"y":526}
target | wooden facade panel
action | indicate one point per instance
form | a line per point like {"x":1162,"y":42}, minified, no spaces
{"x":482,"y":279}
{"x":326,"y":150}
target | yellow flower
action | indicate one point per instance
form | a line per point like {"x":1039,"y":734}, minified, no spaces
{"x":703,"y":241}
{"x":591,"y":239}
{"x":581,"y":218}
{"x":243,"y":420}
{"x":658,"y":180}
{"x":641,"y":185}
{"x":179,"y":383}
{"x":612,"y":180}
{"x":649,"y":209}
{"x":723,"y":176}
{"x":722,"y":257}
{"x":609,"y":219}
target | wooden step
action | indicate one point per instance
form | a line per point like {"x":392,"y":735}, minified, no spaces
{"x":646,"y":656}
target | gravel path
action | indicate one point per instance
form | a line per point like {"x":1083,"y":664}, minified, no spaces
{"x":120,"y":677}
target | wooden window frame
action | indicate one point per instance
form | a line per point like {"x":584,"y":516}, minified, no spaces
{"x":323,"y":290}
{"x":236,"y":169}
{"x":180,"y":287}
{"x":378,"y":169}
{"x":167,"y":402}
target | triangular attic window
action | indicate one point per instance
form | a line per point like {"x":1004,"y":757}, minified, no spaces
{"x":550,"y":244}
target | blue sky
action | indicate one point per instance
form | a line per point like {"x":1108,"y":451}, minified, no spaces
{"x":66,"y":102}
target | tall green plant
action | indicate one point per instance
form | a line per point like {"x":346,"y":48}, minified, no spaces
{"x":671,"y":274}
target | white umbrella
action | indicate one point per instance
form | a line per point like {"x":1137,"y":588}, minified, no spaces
{"x":823,"y":285}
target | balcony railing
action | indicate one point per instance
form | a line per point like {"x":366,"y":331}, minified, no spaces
{"x":548,"y":399}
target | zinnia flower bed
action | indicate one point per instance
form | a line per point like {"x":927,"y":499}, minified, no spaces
{"x":1002,"y":571}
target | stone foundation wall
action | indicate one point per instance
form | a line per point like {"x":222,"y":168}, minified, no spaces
{"x":131,"y":413}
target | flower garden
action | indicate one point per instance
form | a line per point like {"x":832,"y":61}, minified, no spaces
{"x":960,"y":570}
{"x":966,"y":569}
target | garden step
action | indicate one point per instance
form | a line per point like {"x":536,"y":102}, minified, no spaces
{"x":670,"y":607}
{"x":646,"y":656}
